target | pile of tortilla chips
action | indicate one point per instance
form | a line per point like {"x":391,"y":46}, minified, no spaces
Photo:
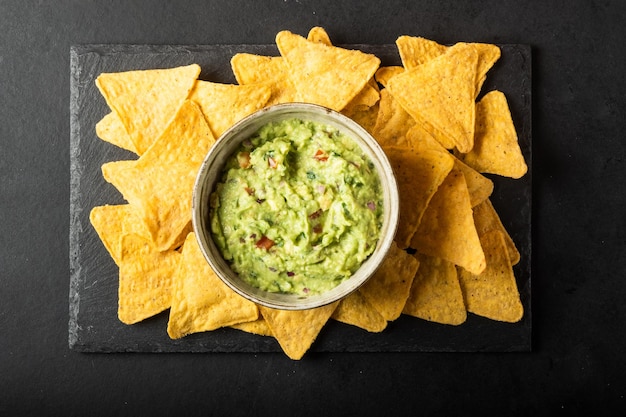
{"x":451,"y":254}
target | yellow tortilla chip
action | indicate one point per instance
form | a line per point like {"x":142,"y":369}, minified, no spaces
{"x":479,"y":186}
{"x":419,"y":138}
{"x":447,"y":228}
{"x":318,"y":34}
{"x":326,"y":75}
{"x":258,"y":327}
{"x":486,"y":220}
{"x":363,"y":115}
{"x":493,"y":293}
{"x":110,"y":129}
{"x":496,"y":149}
{"x":388,"y":289}
{"x":367,"y":97}
{"x":296,"y":330}
{"x":112,"y":222}
{"x":160,"y":183}
{"x":355,"y":310}
{"x":415,"y":51}
{"x":225,"y":104}
{"x":383,"y":74}
{"x":392,"y":122}
{"x":436,"y":293}
{"x":440,"y":93}
{"x":269,"y":70}
{"x":200,"y":300}
{"x":145,"y":286}
{"x":145,"y":101}
{"x":419,"y":175}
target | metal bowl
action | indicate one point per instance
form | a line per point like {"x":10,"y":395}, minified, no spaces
{"x":210,"y":174}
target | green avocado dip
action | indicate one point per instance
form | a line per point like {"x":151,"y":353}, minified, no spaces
{"x":298,"y":209}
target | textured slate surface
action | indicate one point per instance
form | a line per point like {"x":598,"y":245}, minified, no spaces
{"x":94,"y":326}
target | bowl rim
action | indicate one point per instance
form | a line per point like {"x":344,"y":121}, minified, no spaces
{"x":212,"y":167}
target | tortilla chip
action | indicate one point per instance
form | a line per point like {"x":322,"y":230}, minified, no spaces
{"x":440,"y":93}
{"x":392,"y":122}
{"x":478,"y":186}
{"x":146,"y":101}
{"x":355,"y":310}
{"x":110,"y":129}
{"x":367,"y":97}
{"x":225,"y":104}
{"x":160,"y":183}
{"x":112,"y":222}
{"x":258,"y":327}
{"x":493,"y":293}
{"x":296,"y":330}
{"x":326,"y":75}
{"x":383,"y":74}
{"x":420,"y":139}
{"x":363,"y":115}
{"x":486,"y":220}
{"x":145,"y":286}
{"x":269,"y":70}
{"x":200,"y":300}
{"x":415,"y":51}
{"x":447,"y":228}
{"x":388,"y":289}
{"x":419,"y":175}
{"x":496,"y":149}
{"x":436,"y":293}
{"x":319,"y":35}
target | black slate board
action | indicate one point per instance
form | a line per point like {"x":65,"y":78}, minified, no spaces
{"x":93,"y":324}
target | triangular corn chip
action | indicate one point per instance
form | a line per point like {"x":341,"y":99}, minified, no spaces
{"x":486,"y":220}
{"x":160,"y":183}
{"x":479,"y":186}
{"x":440,"y":93}
{"x":110,"y":129}
{"x":436,"y":293}
{"x":269,"y":70}
{"x":296,"y":330}
{"x":383,"y":74}
{"x":200,"y":300}
{"x":388,"y":289}
{"x":416,"y":51}
{"x":326,"y":75}
{"x":496,"y":149}
{"x":225,"y":104}
{"x":355,"y":310}
{"x":112,"y":222}
{"x":447,"y":228}
{"x":318,"y":34}
{"x":493,"y":293}
{"x":392,"y":123}
{"x":145,"y":101}
{"x":258,"y":327}
{"x":145,"y":287}
{"x":419,"y":175}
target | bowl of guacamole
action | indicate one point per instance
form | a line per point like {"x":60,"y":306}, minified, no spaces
{"x":295,"y":206}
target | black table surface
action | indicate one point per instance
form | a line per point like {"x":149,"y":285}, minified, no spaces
{"x":577,"y":363}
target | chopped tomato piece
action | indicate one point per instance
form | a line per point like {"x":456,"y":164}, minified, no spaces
{"x":264,"y":243}
{"x":320,"y":155}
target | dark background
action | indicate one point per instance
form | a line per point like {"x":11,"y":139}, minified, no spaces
{"x":578,"y":364}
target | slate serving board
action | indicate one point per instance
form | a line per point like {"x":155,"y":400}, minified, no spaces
{"x":93,"y":323}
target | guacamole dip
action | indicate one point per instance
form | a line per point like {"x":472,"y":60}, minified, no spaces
{"x":298,"y":208}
